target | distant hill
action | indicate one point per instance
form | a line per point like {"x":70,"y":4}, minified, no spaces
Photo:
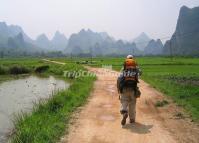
{"x":14,"y":41}
{"x":154,"y":48}
{"x":89,"y":42}
{"x":9,"y":38}
{"x":185,"y":40}
{"x":84,"y":40}
{"x":17,"y":46}
{"x":43,"y":42}
{"x":7,"y":31}
{"x":141,"y":41}
{"x":59,"y":41}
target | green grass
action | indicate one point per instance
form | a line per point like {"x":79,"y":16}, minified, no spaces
{"x":177,"y":78}
{"x":181,"y":82}
{"x":49,"y":120}
{"x":33,"y":64}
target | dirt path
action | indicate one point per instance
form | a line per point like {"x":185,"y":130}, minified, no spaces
{"x":99,"y":120}
{"x":55,"y":62}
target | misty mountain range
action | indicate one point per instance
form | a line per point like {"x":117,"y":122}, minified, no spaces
{"x":13,"y":39}
{"x":15,"y":42}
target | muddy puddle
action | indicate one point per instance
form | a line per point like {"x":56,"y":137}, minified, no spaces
{"x":20,"y":95}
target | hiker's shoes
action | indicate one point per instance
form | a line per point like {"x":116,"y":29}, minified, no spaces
{"x":132,"y":121}
{"x":125,"y":116}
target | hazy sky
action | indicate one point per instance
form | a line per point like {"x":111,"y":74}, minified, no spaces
{"x":123,"y":19}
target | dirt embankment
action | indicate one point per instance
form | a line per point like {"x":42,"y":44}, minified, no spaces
{"x":99,"y":120}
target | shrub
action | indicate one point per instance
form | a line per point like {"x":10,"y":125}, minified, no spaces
{"x":41,"y":69}
{"x":18,"y":70}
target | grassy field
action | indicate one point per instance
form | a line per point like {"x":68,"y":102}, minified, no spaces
{"x":177,"y":77}
{"x":181,"y":82}
{"x":48,"y":121}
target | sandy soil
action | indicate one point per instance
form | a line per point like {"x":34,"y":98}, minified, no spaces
{"x":99,"y":120}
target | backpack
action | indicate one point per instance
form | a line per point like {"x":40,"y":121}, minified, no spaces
{"x":128,"y":78}
{"x":130,"y":71}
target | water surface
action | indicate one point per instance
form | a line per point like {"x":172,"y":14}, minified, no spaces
{"x":20,"y":95}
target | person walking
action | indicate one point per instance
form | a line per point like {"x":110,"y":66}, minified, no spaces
{"x":128,"y":90}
